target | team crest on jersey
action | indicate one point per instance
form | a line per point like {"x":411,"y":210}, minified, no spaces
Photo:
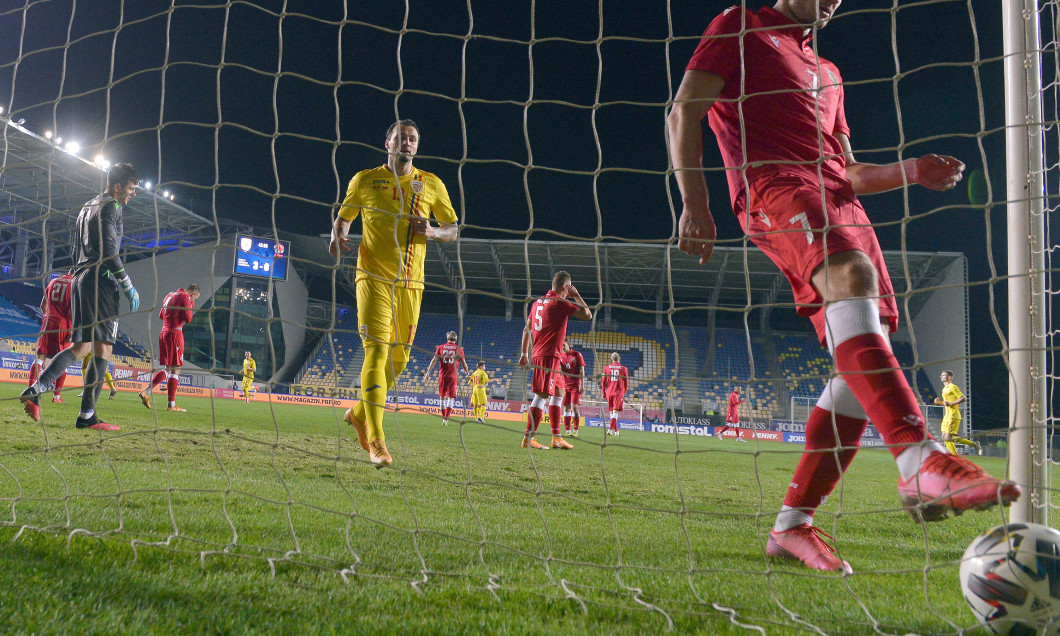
{"x":417,"y":186}
{"x":364,"y":330}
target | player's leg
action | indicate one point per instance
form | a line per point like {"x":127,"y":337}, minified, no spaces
{"x":176,"y":361}
{"x":39,"y":362}
{"x":60,"y":382}
{"x":567,"y":412}
{"x":555,"y":412}
{"x":833,"y":437}
{"x":375,"y":317}
{"x":171,"y":389}
{"x":82,"y":337}
{"x":576,"y":414}
{"x":534,"y":413}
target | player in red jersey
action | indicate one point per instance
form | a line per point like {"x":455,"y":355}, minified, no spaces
{"x":54,"y":330}
{"x":573,"y":367}
{"x":175,"y":313}
{"x":784,"y":138}
{"x":546,"y":327}
{"x":614,"y":383}
{"x":450,"y":357}
{"x":732,"y":416}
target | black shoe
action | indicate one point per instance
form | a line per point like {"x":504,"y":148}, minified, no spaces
{"x":30,"y":399}
{"x":95,"y":423}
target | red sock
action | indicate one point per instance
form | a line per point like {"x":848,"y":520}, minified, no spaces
{"x":871,"y":371}
{"x":171,"y":388}
{"x":59,"y":384}
{"x":566,"y":422}
{"x":724,"y":428}
{"x":821,"y":466}
{"x":533,"y":419}
{"x":614,"y":424}
{"x":577,"y":420}
{"x":34,"y":372}
{"x":157,"y":378}
{"x":555,"y":414}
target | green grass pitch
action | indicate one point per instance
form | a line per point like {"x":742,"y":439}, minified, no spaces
{"x":239,"y":518}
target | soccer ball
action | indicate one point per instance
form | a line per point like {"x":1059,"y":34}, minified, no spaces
{"x":1010,"y":575}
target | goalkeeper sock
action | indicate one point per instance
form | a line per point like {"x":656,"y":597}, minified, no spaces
{"x":870,"y":369}
{"x":555,"y":413}
{"x":55,"y":368}
{"x":93,"y":385}
{"x":836,"y":422}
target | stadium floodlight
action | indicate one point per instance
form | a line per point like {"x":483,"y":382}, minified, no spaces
{"x":171,"y":197}
{"x":1,"y":110}
{"x":58,"y":140}
{"x":165,"y":194}
{"x":47,"y":134}
{"x":147,"y":185}
{"x":73,"y":147}
{"x":102,"y":162}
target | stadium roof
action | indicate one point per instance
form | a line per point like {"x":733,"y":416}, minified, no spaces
{"x":639,"y":275}
{"x":43,"y":187}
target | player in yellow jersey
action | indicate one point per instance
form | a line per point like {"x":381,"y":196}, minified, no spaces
{"x":249,"y":367}
{"x":478,"y":381}
{"x":395,"y":202}
{"x":951,"y":421}
{"x":106,"y":376}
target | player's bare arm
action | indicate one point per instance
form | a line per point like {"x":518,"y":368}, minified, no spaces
{"x":339,"y":237}
{"x":684,"y":125}
{"x":524,"y":346}
{"x":583,"y":312}
{"x":427,"y":373}
{"x":443,"y":232}
{"x":934,"y":172}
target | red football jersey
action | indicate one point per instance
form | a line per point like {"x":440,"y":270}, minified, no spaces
{"x":56,"y":301}
{"x":548,"y":324}
{"x":616,"y":379}
{"x":176,"y":310}
{"x":572,"y":365}
{"x":734,"y":401}
{"x":789,"y":94}
{"x":449,"y":358}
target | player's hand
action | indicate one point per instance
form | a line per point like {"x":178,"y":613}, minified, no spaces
{"x":936,"y":172}
{"x":696,"y":234}
{"x":130,"y":292}
{"x":523,"y":360}
{"x":339,"y":245}
{"x":939,"y":401}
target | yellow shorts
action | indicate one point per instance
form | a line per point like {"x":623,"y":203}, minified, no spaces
{"x":478,"y":397}
{"x":386,"y":312}
{"x":247,"y":384}
{"x":951,"y":426}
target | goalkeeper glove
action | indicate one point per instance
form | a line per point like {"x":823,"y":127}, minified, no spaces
{"x":130,"y":291}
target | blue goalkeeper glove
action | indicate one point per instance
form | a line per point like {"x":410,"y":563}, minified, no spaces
{"x":130,"y":292}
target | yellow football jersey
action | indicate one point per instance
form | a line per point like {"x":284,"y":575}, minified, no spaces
{"x":249,"y":367}
{"x":950,"y":393}
{"x":479,"y":379}
{"x":388,"y":248}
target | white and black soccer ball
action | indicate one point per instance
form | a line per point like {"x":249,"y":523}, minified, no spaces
{"x":1010,"y":575}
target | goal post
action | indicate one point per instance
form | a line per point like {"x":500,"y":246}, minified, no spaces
{"x":1027,"y":245}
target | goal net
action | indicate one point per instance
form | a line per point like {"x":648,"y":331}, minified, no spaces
{"x":545,"y":121}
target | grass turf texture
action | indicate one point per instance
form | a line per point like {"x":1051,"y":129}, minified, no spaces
{"x":239,"y":517}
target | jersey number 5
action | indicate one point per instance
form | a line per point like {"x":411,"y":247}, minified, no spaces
{"x":537,"y":317}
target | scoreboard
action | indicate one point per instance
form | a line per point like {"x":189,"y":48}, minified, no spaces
{"x":260,"y":257}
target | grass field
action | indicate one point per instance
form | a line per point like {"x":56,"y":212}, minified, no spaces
{"x":241,"y":517}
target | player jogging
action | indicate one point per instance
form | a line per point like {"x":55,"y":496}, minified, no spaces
{"x":176,"y":311}
{"x":99,"y":281}
{"x":613,"y":383}
{"x":250,"y":367}
{"x":107,"y":377}
{"x":573,"y":367}
{"x":546,"y":327}
{"x":732,"y":416}
{"x":781,"y":127}
{"x":450,"y":357}
{"x":478,"y":381}
{"x":952,"y":398}
{"x":54,"y":330}
{"x":395,"y":202}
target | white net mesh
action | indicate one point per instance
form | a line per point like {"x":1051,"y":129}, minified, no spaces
{"x":546,"y":123}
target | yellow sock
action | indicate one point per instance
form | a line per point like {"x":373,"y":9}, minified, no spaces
{"x":84,"y":364}
{"x":961,"y":440}
{"x":373,"y":389}
{"x":950,"y":446}
{"x":110,"y":380}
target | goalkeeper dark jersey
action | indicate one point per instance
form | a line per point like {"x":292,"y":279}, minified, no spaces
{"x":98,"y":239}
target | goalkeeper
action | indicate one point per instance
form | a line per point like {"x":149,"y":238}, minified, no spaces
{"x":395,"y":202}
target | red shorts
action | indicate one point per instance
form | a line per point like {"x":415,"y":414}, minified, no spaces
{"x":732,"y":419}
{"x":54,"y":337}
{"x":545,"y":372}
{"x":787,"y":221}
{"x":171,"y":348}
{"x":572,"y":396}
{"x":614,"y":402}
{"x":447,"y":387}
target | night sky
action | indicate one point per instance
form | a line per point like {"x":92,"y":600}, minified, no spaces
{"x":263,"y":120}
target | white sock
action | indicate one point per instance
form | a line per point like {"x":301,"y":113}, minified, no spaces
{"x":172,"y":404}
{"x":911,"y":459}
{"x":84,"y":415}
{"x":789,"y":518}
